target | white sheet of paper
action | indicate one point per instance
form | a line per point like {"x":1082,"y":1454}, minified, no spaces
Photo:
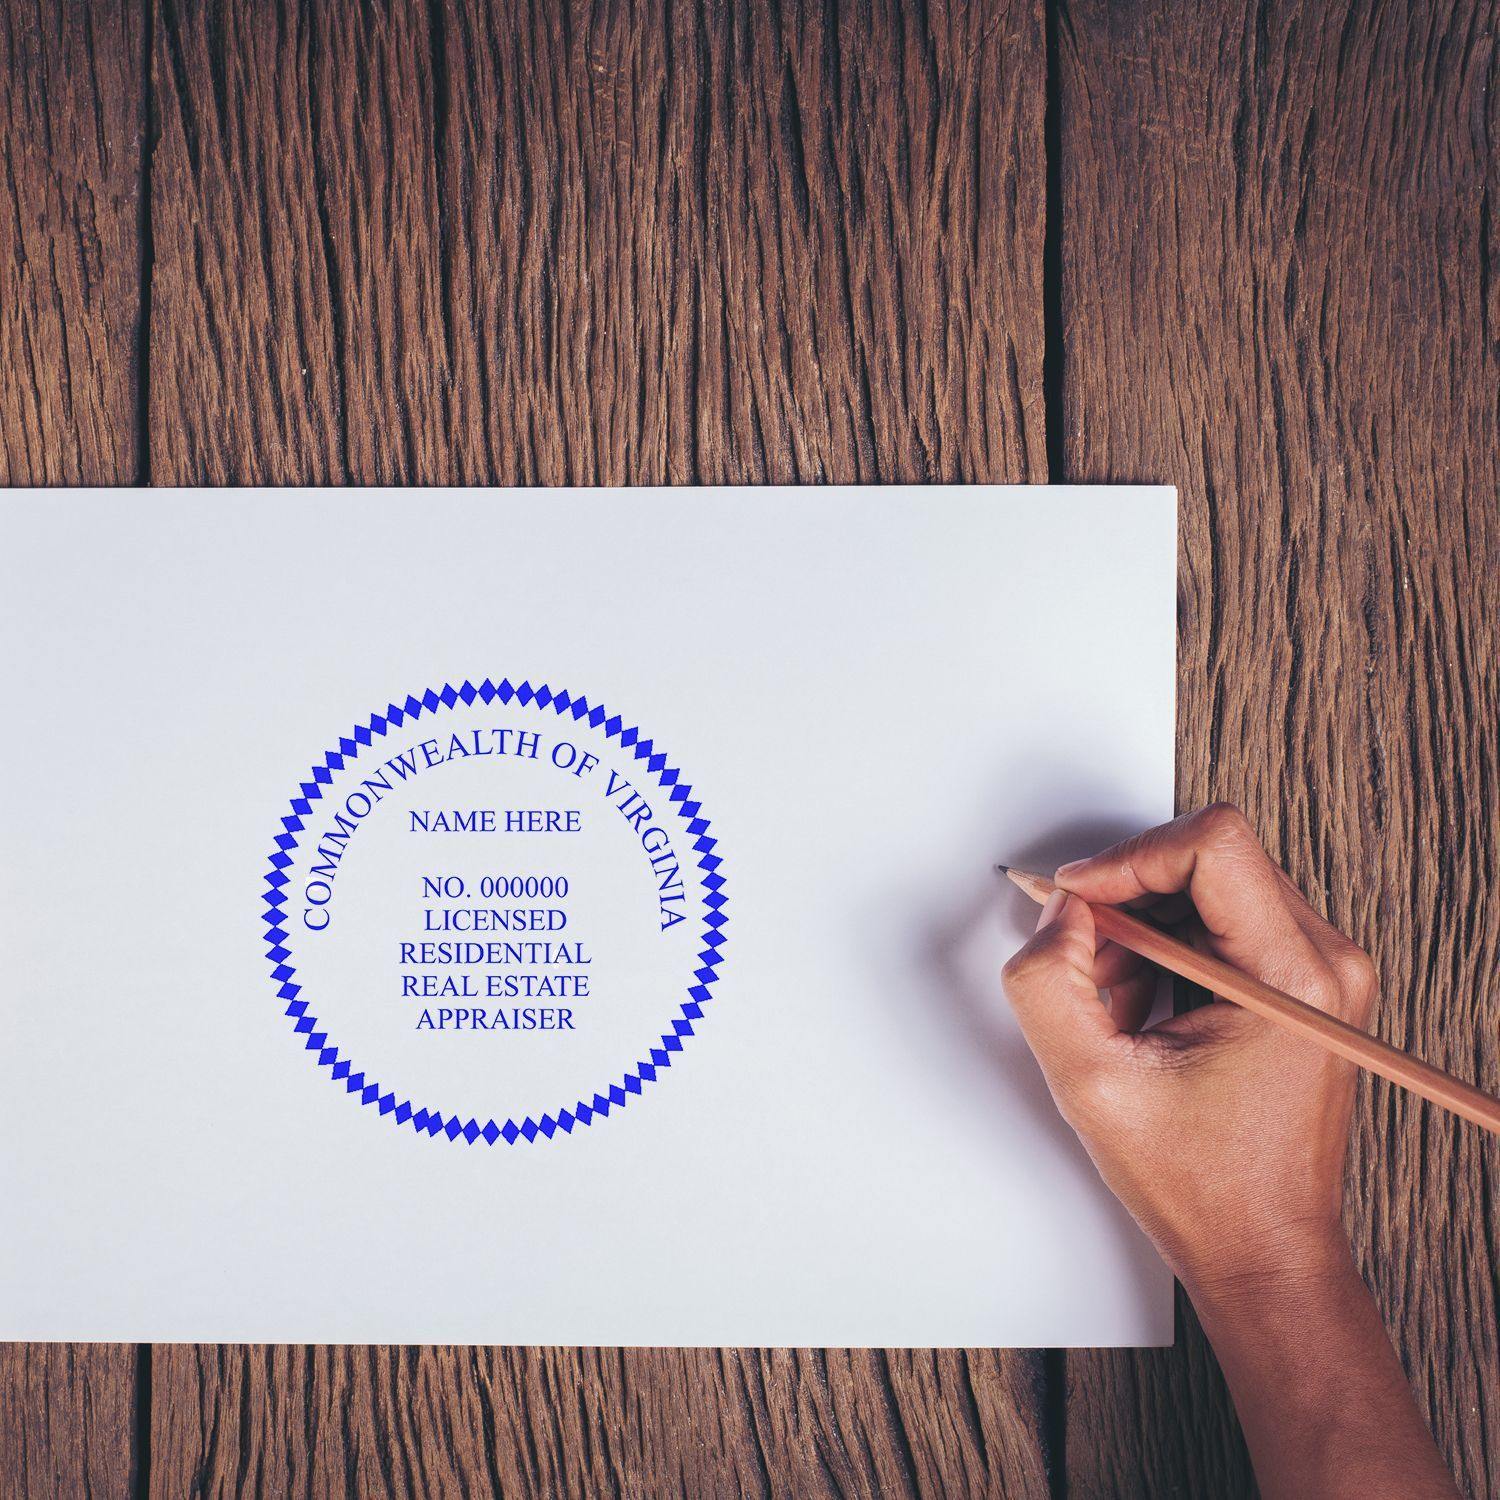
{"x":835,"y":1134}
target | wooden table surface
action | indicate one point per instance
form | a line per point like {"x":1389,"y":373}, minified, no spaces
{"x":1248,"y":249}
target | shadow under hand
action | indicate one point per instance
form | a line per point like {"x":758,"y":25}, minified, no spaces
{"x":955,"y":950}
{"x":964,"y":953}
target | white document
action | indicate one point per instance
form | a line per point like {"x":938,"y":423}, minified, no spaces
{"x":561,"y":916}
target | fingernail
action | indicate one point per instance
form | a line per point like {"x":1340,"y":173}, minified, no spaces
{"x":1050,"y":909}
{"x":1071,"y":868}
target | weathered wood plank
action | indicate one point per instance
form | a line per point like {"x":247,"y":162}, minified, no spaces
{"x":574,"y":245}
{"x":71,"y":119}
{"x":68,"y":1420}
{"x":397,"y":1422}
{"x":245,"y":381}
{"x":474,"y":243}
{"x":760,"y":246}
{"x":1280,"y":292}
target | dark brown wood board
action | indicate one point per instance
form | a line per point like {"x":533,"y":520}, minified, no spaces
{"x":553,"y":1422}
{"x":462,"y":243}
{"x":1279,"y":292}
{"x":72,"y":103}
{"x":71,"y":135}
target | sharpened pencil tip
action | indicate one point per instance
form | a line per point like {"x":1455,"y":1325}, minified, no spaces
{"x":1003,"y":869}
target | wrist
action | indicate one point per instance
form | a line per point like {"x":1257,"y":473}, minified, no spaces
{"x":1318,"y":1389}
{"x":1296,"y":1269}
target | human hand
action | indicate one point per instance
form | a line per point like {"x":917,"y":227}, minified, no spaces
{"x":1223,"y":1135}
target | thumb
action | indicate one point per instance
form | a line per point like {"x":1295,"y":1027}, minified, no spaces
{"x":1050,"y":983}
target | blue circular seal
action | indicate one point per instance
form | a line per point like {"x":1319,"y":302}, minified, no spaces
{"x":436,"y":1122}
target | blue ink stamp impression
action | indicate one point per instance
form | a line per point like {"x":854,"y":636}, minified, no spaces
{"x":493,"y":912}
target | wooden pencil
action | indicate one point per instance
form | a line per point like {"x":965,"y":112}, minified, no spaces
{"x":1294,"y":1015}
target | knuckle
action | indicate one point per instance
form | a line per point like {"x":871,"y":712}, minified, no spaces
{"x":1023,"y":967}
{"x":1094,"y":1092}
{"x":1128,"y":867}
{"x":1356,"y":972}
{"x":1317,"y":983}
{"x":1226,"y":824}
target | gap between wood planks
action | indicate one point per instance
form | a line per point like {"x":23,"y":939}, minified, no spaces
{"x":140,"y":1435}
{"x":1054,"y":1361}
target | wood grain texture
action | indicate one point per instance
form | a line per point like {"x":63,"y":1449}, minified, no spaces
{"x":596,"y":244}
{"x":71,"y":115}
{"x":446,"y":1421}
{"x":71,"y":112}
{"x":574,"y":244}
{"x":1280,"y":292}
{"x":68,"y":1420}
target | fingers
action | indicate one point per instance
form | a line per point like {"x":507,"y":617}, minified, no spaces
{"x":1050,"y":983}
{"x":1212,"y":854}
{"x":1130,"y":1000}
{"x":1351,"y":965}
{"x":1239,"y":894}
{"x":1114,"y":964}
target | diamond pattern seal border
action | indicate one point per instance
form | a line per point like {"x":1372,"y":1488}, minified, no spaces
{"x":433,"y":1122}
